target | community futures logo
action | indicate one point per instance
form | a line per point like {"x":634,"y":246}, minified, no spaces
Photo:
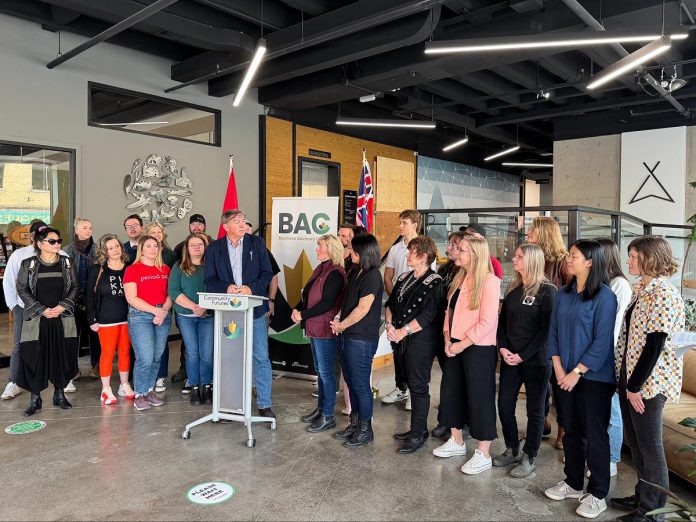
{"x":232,"y":331}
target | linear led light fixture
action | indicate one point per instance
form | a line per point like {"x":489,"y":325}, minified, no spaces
{"x":365,"y":122}
{"x":455,"y":144}
{"x":251,"y":71}
{"x":133,"y":123}
{"x":528,"y":165}
{"x":535,"y":41}
{"x":631,"y":62}
{"x":502,"y":153}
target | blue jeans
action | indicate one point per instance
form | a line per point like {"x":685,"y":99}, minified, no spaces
{"x":324,"y":354}
{"x":197,"y":336}
{"x":615,"y":429}
{"x":164,"y":363}
{"x":356,"y":362}
{"x":263,"y":374}
{"x":148,"y":343}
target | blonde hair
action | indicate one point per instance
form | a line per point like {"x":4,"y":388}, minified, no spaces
{"x":549,"y":238}
{"x":103,"y":253}
{"x":533,"y":270}
{"x":141,"y":243}
{"x":478,"y":269}
{"x":79,"y":220}
{"x":153,"y":224}
{"x":334,"y":247}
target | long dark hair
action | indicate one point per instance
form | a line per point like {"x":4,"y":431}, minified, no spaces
{"x":597,"y":277}
{"x":612,"y":257}
{"x":367,"y":248}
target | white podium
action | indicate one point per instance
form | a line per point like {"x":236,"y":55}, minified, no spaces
{"x":232,"y":360}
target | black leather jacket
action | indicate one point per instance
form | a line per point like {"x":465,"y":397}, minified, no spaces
{"x":26,"y":287}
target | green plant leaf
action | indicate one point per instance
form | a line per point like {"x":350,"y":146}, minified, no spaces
{"x":664,"y":490}
{"x":689,"y":422}
{"x":688,"y":447}
{"x":668,"y":509}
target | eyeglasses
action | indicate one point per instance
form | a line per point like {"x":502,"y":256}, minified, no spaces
{"x":131,"y":227}
{"x":53,"y":241}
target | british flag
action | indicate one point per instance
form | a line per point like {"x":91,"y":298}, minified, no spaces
{"x":366,"y":198}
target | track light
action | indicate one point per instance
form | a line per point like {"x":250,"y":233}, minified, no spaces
{"x":455,"y":144}
{"x":371,"y":97}
{"x":543,"y":94}
{"x":536,"y":41}
{"x":251,"y":71}
{"x":631,"y":62}
{"x":502,"y":153}
{"x":528,"y":165}
{"x":365,"y":122}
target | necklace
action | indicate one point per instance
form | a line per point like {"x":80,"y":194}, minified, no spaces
{"x":412,"y":280}
{"x":53,"y":259}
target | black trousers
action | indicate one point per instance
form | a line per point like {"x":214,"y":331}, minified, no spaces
{"x":418,"y":362}
{"x":399,"y":370}
{"x":553,"y":389}
{"x":643,"y":434}
{"x":441,"y":359}
{"x":86,"y":336}
{"x":587,"y":410}
{"x":535,"y":380}
{"x":468,"y":392}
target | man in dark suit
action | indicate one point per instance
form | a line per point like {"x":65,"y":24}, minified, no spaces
{"x":239,"y":264}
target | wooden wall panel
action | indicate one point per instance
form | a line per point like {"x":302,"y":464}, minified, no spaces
{"x":345,"y":150}
{"x":386,"y":229}
{"x":396,"y":185}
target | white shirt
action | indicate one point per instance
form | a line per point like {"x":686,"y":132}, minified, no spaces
{"x":622,"y":289}
{"x":9,"y":281}
{"x":396,"y":259}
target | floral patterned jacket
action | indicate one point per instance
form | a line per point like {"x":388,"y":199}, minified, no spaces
{"x":658,"y":308}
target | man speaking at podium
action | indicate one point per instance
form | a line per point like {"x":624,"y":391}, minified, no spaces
{"x":238,"y":264}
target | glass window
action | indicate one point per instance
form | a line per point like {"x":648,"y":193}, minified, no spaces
{"x":129,"y":111}
{"x":37,"y":183}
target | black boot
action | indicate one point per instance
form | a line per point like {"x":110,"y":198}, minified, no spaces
{"x":196,"y":398}
{"x":362,"y":436}
{"x":34,"y":404}
{"x":407,"y":435}
{"x":207,"y":394}
{"x":412,"y":445}
{"x":323,"y":423}
{"x":316,"y":414}
{"x":60,"y":400}
{"x":440,"y":431}
{"x":350,"y":429}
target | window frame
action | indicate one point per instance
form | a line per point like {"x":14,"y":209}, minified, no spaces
{"x":217,"y":113}
{"x":46,"y":183}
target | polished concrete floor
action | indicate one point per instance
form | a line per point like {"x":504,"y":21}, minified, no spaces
{"x":114,"y":463}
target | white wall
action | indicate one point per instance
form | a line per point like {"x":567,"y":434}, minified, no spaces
{"x":49,"y":107}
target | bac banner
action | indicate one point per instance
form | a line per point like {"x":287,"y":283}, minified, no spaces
{"x":297,"y":223}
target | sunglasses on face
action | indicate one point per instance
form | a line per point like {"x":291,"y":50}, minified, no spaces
{"x":53,"y":241}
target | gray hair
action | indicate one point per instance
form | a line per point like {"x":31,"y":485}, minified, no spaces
{"x":230,"y":214}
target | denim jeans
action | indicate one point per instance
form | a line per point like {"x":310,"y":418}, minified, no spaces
{"x":197,"y":337}
{"x":615,"y":429}
{"x":324,"y":354}
{"x":148,"y":343}
{"x":356,"y":362}
{"x":263,"y":374}
{"x":163,"y":371}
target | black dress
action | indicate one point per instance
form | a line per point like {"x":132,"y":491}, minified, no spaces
{"x":53,"y":356}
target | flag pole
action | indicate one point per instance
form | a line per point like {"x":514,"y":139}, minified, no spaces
{"x":231,"y":162}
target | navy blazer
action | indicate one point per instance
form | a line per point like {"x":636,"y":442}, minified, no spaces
{"x":256,"y":268}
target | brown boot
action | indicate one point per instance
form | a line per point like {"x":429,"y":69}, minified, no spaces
{"x":547,"y":428}
{"x":559,"y":439}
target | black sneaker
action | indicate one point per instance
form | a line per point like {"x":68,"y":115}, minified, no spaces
{"x":186,"y":390}
{"x":179,"y":376}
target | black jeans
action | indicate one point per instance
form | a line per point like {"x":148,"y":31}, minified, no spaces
{"x":441,"y":359}
{"x":535,"y":380}
{"x":86,"y":336}
{"x":399,"y":370}
{"x":468,"y":392}
{"x":587,"y":410}
{"x":553,"y":388}
{"x":418,"y":361}
{"x":643,"y":434}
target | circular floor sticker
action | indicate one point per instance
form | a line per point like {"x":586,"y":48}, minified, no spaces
{"x":22,"y":428}
{"x":210,"y":493}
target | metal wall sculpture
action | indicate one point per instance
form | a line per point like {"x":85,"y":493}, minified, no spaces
{"x":158,"y":189}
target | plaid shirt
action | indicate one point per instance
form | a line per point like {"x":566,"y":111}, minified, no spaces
{"x":658,"y":308}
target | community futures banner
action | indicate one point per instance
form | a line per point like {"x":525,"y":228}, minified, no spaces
{"x":297,"y":223}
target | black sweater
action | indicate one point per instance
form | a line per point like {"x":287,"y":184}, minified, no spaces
{"x":523,"y":328}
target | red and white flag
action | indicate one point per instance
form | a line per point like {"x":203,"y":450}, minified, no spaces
{"x":231,"y":202}
{"x":366,"y":198}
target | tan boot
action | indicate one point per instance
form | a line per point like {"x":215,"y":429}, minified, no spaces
{"x":559,"y":439}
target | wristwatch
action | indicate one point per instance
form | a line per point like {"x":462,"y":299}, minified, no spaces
{"x":578,"y":371}
{"x":408,"y":329}
{"x":271,"y":300}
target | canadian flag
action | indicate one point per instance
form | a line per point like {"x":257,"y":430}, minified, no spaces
{"x":231,"y":202}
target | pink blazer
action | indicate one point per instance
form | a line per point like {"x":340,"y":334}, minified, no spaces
{"x":478,"y":325}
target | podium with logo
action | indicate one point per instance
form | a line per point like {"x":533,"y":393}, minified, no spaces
{"x":232,"y":361}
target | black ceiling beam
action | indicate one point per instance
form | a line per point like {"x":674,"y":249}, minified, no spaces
{"x":32,"y":11}
{"x":314,"y":7}
{"x":274,"y":15}
{"x":60,"y":17}
{"x":112,"y":31}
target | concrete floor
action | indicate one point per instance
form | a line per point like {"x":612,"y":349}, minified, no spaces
{"x":114,"y":463}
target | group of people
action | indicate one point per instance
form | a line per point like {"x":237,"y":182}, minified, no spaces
{"x":568,"y":326}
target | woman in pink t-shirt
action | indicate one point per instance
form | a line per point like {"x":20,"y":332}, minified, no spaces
{"x":145,"y":284}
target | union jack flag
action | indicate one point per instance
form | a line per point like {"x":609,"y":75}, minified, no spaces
{"x":366,"y":198}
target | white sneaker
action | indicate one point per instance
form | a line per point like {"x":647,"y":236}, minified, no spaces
{"x":70,"y":388}
{"x":408,"y":403}
{"x":613,"y":470}
{"x":396,"y":395}
{"x":562,"y":491}
{"x":160,"y":386}
{"x":591,"y":506}
{"x":11,"y":391}
{"x":450,"y":449}
{"x":477,"y":464}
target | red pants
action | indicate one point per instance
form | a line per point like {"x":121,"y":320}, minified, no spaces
{"x":114,"y":338}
